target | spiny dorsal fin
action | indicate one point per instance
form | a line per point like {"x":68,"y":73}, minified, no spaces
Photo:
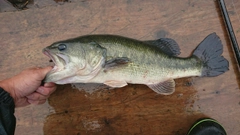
{"x":164,"y":88}
{"x":167,"y":45}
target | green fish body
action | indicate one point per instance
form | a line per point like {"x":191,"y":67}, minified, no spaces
{"x":117,"y":61}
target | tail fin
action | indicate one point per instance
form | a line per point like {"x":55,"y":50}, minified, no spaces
{"x":210,"y":51}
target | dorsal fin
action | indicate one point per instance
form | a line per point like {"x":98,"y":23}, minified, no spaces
{"x":167,"y":45}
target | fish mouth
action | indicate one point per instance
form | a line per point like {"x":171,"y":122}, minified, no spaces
{"x":60,"y":60}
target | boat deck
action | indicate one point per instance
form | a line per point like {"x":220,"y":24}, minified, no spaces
{"x":134,"y":109}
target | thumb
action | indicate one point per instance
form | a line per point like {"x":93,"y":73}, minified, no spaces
{"x":42,"y":72}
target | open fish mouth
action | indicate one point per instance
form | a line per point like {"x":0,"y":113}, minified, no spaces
{"x":60,"y":60}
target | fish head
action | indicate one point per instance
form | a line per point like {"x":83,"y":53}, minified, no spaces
{"x":75,"y":62}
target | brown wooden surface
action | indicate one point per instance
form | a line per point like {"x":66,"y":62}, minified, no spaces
{"x":134,"y":109}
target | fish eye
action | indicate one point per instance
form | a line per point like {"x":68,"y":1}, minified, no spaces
{"x":62,"y":47}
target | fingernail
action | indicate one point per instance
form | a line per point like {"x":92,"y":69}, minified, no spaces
{"x":49,"y":84}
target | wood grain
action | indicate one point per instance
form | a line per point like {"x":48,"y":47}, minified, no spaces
{"x":134,"y":109}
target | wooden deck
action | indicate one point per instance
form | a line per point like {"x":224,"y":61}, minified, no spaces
{"x":134,"y":109}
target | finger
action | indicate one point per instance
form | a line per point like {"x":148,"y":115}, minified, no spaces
{"x":32,"y":68}
{"x":49,"y":85}
{"x":36,"y":96}
{"x":36,"y":102}
{"x":46,"y":90}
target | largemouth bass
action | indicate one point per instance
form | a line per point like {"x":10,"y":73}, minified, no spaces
{"x":117,"y":61}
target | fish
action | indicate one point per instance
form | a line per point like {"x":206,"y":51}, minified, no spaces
{"x":117,"y":61}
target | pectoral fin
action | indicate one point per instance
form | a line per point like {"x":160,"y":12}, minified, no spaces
{"x":115,"y":84}
{"x":164,"y":88}
{"x":115,"y":62}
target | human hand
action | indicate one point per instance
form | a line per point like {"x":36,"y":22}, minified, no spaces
{"x":25,"y":87}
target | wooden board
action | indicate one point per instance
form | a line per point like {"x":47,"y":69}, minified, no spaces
{"x":134,"y":109}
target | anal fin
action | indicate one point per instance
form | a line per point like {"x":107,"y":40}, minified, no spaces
{"x":115,"y":84}
{"x":164,"y":88}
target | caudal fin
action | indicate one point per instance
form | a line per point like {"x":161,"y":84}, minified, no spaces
{"x":210,"y":51}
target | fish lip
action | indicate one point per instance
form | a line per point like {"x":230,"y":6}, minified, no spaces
{"x":64,"y":58}
{"x":47,"y":53}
